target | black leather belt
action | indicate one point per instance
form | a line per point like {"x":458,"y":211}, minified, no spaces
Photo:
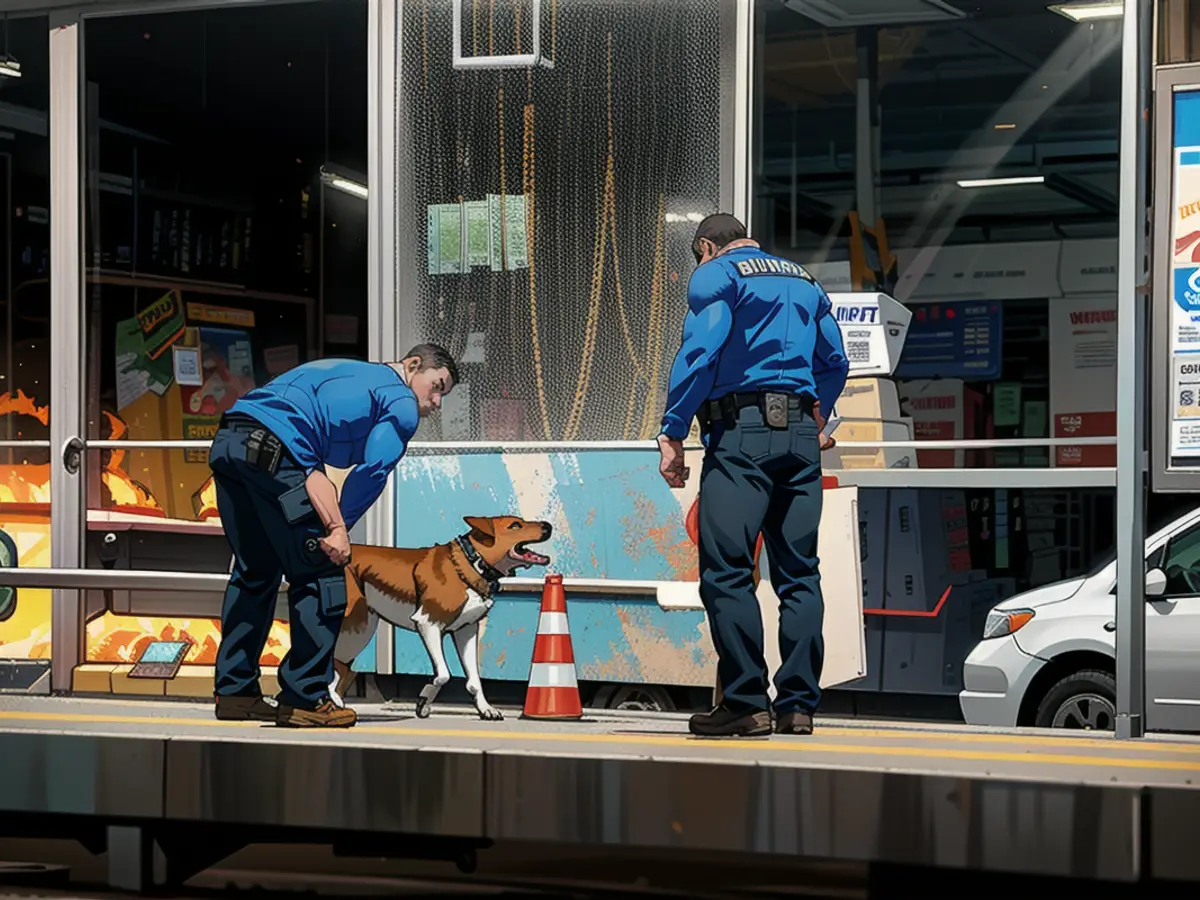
{"x":730,"y":405}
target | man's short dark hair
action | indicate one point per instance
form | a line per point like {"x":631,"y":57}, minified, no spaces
{"x":433,"y":356}
{"x":721,"y":229}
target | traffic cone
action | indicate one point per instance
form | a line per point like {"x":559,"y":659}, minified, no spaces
{"x":553,"y":692}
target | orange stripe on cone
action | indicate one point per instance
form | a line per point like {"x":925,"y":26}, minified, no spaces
{"x":553,"y":691}
{"x":555,"y":647}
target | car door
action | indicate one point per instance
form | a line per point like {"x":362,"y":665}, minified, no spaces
{"x":1173,"y":638}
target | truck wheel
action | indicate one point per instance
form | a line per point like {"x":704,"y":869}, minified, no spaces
{"x":1084,"y":700}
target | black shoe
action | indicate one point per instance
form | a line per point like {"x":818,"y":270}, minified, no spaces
{"x":724,"y":722}
{"x":800,"y":723}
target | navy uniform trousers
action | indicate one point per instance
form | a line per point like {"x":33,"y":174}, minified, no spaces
{"x":759,"y":479}
{"x":274,"y":531}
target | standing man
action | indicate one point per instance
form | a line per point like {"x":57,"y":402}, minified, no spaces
{"x":761,"y":357}
{"x":282,"y":516}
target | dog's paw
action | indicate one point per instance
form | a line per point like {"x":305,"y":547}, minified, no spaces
{"x":424,"y":708}
{"x":490,"y":713}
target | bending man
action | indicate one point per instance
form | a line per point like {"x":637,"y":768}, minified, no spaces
{"x":282,"y":516}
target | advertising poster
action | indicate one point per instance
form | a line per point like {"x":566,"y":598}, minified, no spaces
{"x":1185,"y":278}
{"x":1083,"y":377}
{"x":227,"y":372}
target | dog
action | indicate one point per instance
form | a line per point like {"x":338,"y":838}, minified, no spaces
{"x":449,"y":587}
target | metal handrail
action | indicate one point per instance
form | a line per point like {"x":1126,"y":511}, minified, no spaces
{"x":209,"y":582}
{"x":571,"y":446}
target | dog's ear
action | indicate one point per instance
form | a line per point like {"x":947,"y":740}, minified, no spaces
{"x":483,"y":528}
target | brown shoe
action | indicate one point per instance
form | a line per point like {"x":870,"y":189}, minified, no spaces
{"x":794,"y":723}
{"x":327,"y":715}
{"x":724,"y":722}
{"x":246,"y":709}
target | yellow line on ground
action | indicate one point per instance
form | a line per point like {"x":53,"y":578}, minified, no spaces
{"x":815,"y":745}
{"x":840,"y":731}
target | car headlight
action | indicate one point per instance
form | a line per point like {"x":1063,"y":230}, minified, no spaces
{"x":1001,"y":622}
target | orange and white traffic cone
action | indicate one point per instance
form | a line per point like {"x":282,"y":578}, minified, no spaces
{"x":553,"y":692}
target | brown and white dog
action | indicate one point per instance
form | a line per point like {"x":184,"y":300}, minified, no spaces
{"x":433,"y":590}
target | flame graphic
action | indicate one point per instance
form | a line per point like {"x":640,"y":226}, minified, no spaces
{"x":25,"y":517}
{"x":121,"y":639}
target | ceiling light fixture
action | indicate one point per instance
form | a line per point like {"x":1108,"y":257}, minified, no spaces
{"x":1005,"y":126}
{"x":1089,"y":12}
{"x":1001,"y":182}
{"x":345,"y":185}
{"x":9,"y":67}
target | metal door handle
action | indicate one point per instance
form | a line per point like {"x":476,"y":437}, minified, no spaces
{"x":1110,"y":626}
{"x":71,"y":455}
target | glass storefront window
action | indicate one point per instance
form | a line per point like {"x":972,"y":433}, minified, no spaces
{"x":577,"y":189}
{"x":978,"y":155}
{"x":25,"y":342}
{"x":222,"y":249}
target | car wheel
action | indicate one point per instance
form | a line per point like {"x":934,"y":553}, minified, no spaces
{"x":1085,"y":700}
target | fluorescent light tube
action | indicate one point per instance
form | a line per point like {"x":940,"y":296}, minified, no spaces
{"x":10,"y":68}
{"x":1088,"y":12}
{"x":1001,"y":182}
{"x":346,"y":186}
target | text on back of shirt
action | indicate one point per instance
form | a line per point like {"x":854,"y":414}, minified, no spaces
{"x":748,"y":268}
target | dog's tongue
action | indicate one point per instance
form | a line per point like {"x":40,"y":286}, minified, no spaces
{"x":534,"y":559}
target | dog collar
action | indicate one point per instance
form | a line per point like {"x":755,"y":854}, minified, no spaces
{"x":486,"y":572}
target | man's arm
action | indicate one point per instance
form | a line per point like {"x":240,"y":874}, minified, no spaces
{"x":385,"y":446}
{"x":830,"y":366}
{"x":323,"y":495}
{"x":706,"y":328}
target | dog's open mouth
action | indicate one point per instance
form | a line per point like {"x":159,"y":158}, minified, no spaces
{"x":526,"y":557}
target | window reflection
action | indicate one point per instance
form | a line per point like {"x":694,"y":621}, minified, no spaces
{"x":968,"y":167}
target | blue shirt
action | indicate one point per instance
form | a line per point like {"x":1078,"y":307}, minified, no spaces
{"x":755,"y":323}
{"x":342,"y":413}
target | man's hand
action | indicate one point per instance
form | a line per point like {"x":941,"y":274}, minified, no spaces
{"x":337,"y":545}
{"x":825,"y":441}
{"x":671,"y":466}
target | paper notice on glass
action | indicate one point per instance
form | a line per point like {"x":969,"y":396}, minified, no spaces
{"x":450,"y":243}
{"x":516,"y":247}
{"x":1185,"y":408}
{"x":1035,"y":418}
{"x":475,"y":351}
{"x":1007,"y":405}
{"x":187,"y":365}
{"x":479,"y":235}
{"x":456,"y":414}
{"x":495,"y":233}
{"x":1186,"y":386}
{"x":432,"y":238}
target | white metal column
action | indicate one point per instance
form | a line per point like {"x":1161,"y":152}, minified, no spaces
{"x":743,"y":124}
{"x":66,"y":344}
{"x":1132,"y":400}
{"x":383,"y":75}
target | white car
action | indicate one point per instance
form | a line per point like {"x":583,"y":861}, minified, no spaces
{"x":1047,"y":656}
